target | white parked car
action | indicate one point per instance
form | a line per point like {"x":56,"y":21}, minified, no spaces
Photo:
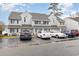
{"x":44,"y":35}
{"x":58,"y":34}
{"x":4,"y":33}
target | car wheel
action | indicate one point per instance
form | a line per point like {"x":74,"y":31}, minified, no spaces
{"x":57,"y":36}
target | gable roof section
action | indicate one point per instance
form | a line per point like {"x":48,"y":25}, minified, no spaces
{"x":35,"y":16}
{"x":60,"y":20}
{"x":74,"y":18}
{"x":16,"y":15}
{"x":39,"y":16}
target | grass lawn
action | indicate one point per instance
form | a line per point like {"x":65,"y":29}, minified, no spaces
{"x":8,"y":36}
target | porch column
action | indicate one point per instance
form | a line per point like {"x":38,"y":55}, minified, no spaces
{"x":9,"y":31}
{"x":42,"y":29}
{"x":60,"y":29}
{"x":34,"y":30}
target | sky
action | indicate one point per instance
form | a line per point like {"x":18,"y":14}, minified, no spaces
{"x":7,"y":8}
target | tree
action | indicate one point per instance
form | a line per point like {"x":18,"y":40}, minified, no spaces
{"x":2,"y":27}
{"x":56,"y":11}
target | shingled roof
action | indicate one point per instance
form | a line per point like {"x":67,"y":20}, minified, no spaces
{"x":35,"y":16}
{"x":60,"y":20}
{"x":74,"y":18}
{"x":16,"y":15}
{"x":39,"y":16}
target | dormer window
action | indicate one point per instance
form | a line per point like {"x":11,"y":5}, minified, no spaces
{"x":61,"y":23}
{"x":24,"y":19}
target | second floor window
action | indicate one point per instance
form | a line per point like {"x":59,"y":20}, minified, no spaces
{"x":37,"y":22}
{"x":45,"y":22}
{"x":25,"y":19}
{"x":17,"y":21}
{"x":12,"y":21}
{"x":61,"y":23}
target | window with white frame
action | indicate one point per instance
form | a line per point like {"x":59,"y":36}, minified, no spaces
{"x":61,"y":23}
{"x":45,"y":22}
{"x":37,"y":22}
{"x":14,"y":21}
{"x":17,"y":21}
{"x":25,"y":18}
{"x":11,"y":30}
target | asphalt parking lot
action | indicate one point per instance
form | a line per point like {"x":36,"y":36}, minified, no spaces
{"x":14,"y":42}
{"x":40,"y":47}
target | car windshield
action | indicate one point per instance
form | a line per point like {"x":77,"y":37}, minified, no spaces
{"x":25,"y":32}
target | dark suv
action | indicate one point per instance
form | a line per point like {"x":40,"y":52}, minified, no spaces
{"x":25,"y":36}
{"x":69,"y":34}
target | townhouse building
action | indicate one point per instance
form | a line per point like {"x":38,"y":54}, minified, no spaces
{"x":34,"y":22}
{"x":72,"y":23}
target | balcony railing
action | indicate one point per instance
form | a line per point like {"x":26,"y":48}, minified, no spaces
{"x":41,"y":25}
{"x":14,"y":24}
{"x":61,"y":25}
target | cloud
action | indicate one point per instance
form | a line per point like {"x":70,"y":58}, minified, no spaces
{"x":7,"y":7}
{"x":67,"y":9}
{"x":66,"y":6}
{"x":12,"y":6}
{"x":73,"y":12}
